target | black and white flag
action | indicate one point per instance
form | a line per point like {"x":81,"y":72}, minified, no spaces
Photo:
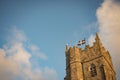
{"x":81,"y":42}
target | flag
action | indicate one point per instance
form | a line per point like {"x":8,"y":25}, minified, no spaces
{"x":81,"y":42}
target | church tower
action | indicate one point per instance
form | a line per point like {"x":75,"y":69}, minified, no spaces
{"x":92,"y":63}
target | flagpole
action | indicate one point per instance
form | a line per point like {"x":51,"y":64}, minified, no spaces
{"x":85,"y":42}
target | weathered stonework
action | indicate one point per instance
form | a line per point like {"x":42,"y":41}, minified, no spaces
{"x":92,"y":63}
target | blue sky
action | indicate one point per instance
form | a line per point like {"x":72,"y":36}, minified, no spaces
{"x":48,"y":27}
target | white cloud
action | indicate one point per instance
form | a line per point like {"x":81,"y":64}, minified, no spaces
{"x":42,"y":56}
{"x":91,"y":40}
{"x":49,"y":74}
{"x":108,"y":15}
{"x":15,"y":60}
{"x":35,"y":50}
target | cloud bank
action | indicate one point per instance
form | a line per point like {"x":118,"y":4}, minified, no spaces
{"x":15,"y":61}
{"x":108,"y":15}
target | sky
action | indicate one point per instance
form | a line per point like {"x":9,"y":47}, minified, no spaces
{"x":33,"y":34}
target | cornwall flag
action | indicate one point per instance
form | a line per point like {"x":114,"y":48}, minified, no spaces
{"x":81,"y":42}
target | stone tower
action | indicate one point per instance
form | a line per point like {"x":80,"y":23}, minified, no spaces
{"x":92,"y":63}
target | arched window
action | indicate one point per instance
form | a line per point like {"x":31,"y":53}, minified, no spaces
{"x":102,"y":72}
{"x":92,"y":70}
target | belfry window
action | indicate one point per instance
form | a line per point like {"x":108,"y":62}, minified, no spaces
{"x":92,"y":70}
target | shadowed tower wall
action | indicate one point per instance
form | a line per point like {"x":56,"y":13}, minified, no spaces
{"x":92,"y":63}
